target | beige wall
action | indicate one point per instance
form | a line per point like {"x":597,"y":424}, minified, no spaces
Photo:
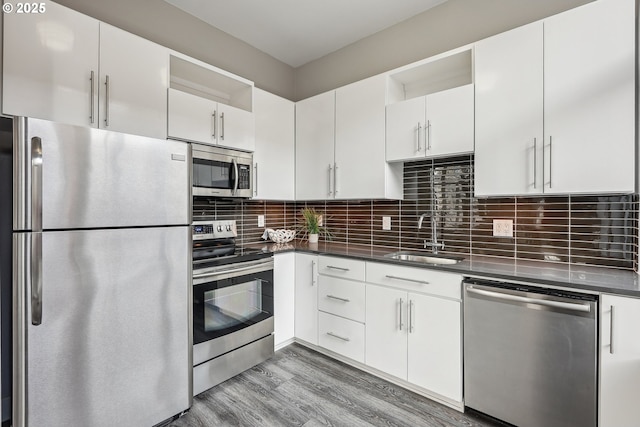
{"x":445,"y":27}
{"x":169,"y":26}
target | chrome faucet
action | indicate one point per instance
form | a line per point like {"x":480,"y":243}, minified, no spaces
{"x":433,"y":244}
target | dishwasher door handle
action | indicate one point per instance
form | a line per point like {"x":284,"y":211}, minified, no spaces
{"x":583,"y":308}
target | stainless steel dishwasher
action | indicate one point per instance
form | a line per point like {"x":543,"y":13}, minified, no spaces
{"x":530,"y":354}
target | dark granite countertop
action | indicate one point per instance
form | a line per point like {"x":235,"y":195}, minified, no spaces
{"x":575,"y":277}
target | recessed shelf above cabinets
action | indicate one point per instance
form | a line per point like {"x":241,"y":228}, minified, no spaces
{"x":430,"y":110}
{"x":209,"y":105}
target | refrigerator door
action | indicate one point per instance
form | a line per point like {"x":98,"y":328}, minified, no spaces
{"x":69,"y":177}
{"x":112,"y":346}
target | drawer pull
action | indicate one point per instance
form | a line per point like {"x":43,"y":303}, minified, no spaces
{"x":337,"y":268}
{"x":421,"y":282}
{"x":338,"y":298}
{"x":338,"y":336}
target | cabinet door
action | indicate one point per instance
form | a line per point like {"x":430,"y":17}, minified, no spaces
{"x":315,"y":128}
{"x":450,"y":121}
{"x":284,"y":297}
{"x":589,"y":96}
{"x":508,"y":108}
{"x":435,"y":345}
{"x":135,"y":100}
{"x":406,"y":130}
{"x":306,"y":300}
{"x":236,"y":128}
{"x":360,"y":143}
{"x":49,"y":59}
{"x":386,"y":330}
{"x":191,"y":117}
{"x":274,"y":155}
{"x":619,"y":361}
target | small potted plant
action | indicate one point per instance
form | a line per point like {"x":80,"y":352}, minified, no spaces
{"x":311,"y":224}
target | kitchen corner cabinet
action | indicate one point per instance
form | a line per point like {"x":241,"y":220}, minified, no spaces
{"x":619,"y":356}
{"x":555,"y":104}
{"x":340,"y":149}
{"x":274,"y":155}
{"x":284,"y":298}
{"x":56,"y":66}
{"x":306,"y":298}
{"x":413,"y":327}
{"x":438,"y":124}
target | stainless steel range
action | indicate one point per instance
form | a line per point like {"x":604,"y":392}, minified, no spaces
{"x":232,"y":304}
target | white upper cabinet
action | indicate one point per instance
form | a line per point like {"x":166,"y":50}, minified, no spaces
{"x":274,"y":155}
{"x":508,"y":83}
{"x":133,"y":84}
{"x":51,"y":72}
{"x":430,"y":111}
{"x":555,"y":104}
{"x":340,"y":150}
{"x":589,"y":98}
{"x":49,"y":62}
{"x":315,"y":128}
{"x":209,"y":106}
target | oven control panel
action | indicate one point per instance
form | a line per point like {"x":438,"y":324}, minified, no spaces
{"x":219,"y":229}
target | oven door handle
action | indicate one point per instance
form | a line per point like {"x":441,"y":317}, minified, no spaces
{"x":254,"y":268}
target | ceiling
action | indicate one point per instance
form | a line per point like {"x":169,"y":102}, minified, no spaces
{"x":299,"y":31}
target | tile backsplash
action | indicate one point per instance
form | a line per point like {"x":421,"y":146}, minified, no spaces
{"x":595,"y":230}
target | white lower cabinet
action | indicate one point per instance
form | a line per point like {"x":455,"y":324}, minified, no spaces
{"x":413,"y":336}
{"x":619,"y":356}
{"x":284,"y":297}
{"x":306,"y":298}
{"x":341,"y":297}
{"x":342,"y":336}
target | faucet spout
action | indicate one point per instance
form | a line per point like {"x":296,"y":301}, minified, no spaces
{"x":422,"y":219}
{"x":433,"y":244}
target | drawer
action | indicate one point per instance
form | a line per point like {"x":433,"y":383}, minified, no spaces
{"x":341,"y":267}
{"x":341,"y":336}
{"x":415,"y":279}
{"x":341,"y":297}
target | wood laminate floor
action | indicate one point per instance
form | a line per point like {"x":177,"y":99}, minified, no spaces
{"x":300,"y":387}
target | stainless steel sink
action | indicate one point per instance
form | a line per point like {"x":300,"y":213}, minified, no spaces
{"x":421,"y":258}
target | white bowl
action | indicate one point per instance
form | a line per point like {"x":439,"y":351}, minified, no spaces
{"x":281,"y":236}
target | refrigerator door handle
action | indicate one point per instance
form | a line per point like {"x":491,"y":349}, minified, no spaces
{"x":36,"y":279}
{"x":36,"y":184}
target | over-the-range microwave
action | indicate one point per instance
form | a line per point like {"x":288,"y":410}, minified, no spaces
{"x":221,"y":172}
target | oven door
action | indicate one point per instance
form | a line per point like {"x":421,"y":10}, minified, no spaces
{"x":221,"y":172}
{"x":232,"y":306}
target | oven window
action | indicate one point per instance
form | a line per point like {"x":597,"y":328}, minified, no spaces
{"x":228,"y":307}
{"x":212,"y":174}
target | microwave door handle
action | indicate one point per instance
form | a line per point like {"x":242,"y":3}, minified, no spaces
{"x":237,"y":178}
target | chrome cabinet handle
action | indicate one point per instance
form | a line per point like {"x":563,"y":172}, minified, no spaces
{"x":427,"y":135}
{"x":92,"y":97}
{"x":410,"y":316}
{"x":330,"y":170}
{"x":106,"y":94}
{"x":337,"y":268}
{"x":338,"y":298}
{"x":400,"y":323}
{"x":215,"y":123}
{"x":421,"y":282}
{"x":313,"y":273}
{"x":550,"y":159}
{"x":255,"y":179}
{"x":338,"y":336}
{"x":335,"y":179}
{"x":535,"y":162}
{"x":222,"y":126}
{"x":613,"y":314}
{"x":418,"y":136}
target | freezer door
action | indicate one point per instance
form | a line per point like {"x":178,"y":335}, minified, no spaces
{"x":69,"y":177}
{"x":113,"y":344}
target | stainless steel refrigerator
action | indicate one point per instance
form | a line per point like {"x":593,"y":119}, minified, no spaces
{"x":101,"y":277}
